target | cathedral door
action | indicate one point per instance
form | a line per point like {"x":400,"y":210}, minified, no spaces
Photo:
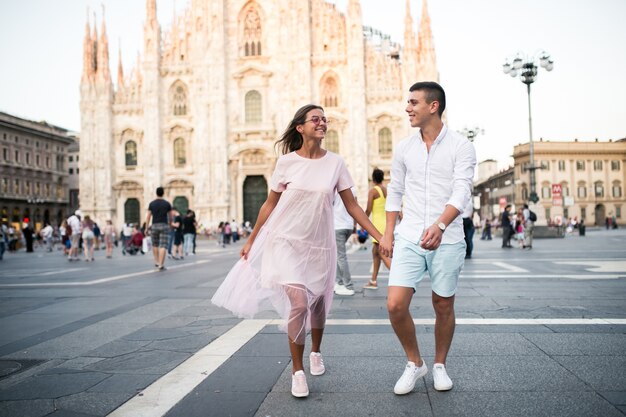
{"x":254,"y":195}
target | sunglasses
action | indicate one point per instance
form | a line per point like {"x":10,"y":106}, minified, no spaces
{"x":317,"y":120}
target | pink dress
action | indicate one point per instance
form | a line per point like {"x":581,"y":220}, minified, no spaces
{"x":292,"y":262}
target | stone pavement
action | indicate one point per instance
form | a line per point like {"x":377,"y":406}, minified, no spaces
{"x":540,"y":333}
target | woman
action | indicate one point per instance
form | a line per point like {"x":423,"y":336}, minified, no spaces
{"x":290,"y":256}
{"x":109,"y":238}
{"x":376,"y":199}
{"x":88,"y":238}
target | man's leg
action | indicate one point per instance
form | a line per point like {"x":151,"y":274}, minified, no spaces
{"x":398,"y":302}
{"x":444,"y":326}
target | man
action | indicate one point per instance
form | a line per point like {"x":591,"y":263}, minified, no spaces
{"x":47,"y":236}
{"x":344,"y":227}
{"x":507,"y":227}
{"x":433,"y":171}
{"x":529,"y":226}
{"x":234,"y":228}
{"x":159,"y":211}
{"x":468,"y":228}
{"x":76,"y":226}
{"x":28,"y":233}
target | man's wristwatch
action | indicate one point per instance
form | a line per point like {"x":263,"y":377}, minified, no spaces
{"x":441,"y":226}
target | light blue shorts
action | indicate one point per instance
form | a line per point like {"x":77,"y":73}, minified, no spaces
{"x":410,"y":263}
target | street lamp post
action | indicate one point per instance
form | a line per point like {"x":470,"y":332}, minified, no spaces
{"x":471,"y":133}
{"x":527,"y":69}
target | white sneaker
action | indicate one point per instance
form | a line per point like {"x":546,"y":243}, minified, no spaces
{"x":341,"y":290}
{"x":411,"y":374}
{"x":317,"y":363}
{"x":441,"y":378}
{"x":299,"y":387}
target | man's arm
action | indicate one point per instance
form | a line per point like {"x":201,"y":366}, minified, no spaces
{"x":395,"y":192}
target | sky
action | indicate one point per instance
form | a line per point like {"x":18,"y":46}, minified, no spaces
{"x":584,"y":97}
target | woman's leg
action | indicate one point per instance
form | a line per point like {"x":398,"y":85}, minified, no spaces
{"x":296,"y":327}
{"x":318,"y":322}
{"x":376,"y":262}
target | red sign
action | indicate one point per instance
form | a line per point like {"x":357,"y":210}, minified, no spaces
{"x":502,"y":202}
{"x":557,"y":191}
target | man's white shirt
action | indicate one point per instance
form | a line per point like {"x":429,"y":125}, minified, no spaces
{"x":429,"y":181}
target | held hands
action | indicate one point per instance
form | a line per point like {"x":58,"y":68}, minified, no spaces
{"x":431,"y":239}
{"x":386,"y":245}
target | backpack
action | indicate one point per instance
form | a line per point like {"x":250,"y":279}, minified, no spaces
{"x":532,"y":216}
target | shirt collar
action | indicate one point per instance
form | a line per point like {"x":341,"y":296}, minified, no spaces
{"x":442,"y":134}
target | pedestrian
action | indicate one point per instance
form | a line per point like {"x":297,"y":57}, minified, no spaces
{"x":159,"y":212}
{"x":376,"y":199}
{"x":433,"y":171}
{"x":75,"y":226}
{"x":290,"y":255}
{"x":484,"y":224}
{"x":234,"y":229}
{"x":507,"y":227}
{"x":519,"y":228}
{"x":228,"y":231}
{"x":195,"y":230}
{"x":88,"y":238}
{"x":47,"y":236}
{"x":189,"y":231}
{"x":468,"y":228}
{"x":220,"y":234}
{"x":127,"y":234}
{"x":63,"y":235}
{"x":27,"y":233}
{"x":4,"y":239}
{"x":344,"y":227}
{"x":529,"y":227}
{"x":177,"y":225}
{"x":109,"y":238}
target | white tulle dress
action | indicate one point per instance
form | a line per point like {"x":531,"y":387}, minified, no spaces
{"x":292,"y":262}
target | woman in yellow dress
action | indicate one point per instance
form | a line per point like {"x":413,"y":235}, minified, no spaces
{"x":376,"y":208}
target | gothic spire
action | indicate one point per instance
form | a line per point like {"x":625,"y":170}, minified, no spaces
{"x":426,"y":48}
{"x":120,"y":69}
{"x":103,"y":52}
{"x":409,"y":34}
{"x":88,"y":58}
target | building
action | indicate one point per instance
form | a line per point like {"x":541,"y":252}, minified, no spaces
{"x":73,"y":171}
{"x":577,"y":179}
{"x":201,"y":110}
{"x":494,"y":192}
{"x":33,"y":176}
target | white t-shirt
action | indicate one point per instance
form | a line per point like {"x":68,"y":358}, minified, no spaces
{"x":342,"y":218}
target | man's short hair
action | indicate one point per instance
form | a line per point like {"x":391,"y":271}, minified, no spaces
{"x":434,"y":92}
{"x":160,"y":191}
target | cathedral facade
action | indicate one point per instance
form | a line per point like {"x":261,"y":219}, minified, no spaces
{"x":201,"y":110}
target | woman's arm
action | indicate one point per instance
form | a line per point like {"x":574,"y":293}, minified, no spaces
{"x":358,"y":214}
{"x":370,"y":201}
{"x":264,"y":213}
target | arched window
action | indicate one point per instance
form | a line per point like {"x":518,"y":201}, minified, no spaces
{"x":180,"y":155}
{"x":181,"y":204}
{"x":251,"y":32}
{"x":524,"y":192}
{"x":253,"y":107}
{"x":546,"y":190}
{"x":384,"y":142}
{"x":131,"y":211}
{"x":617,"y":189}
{"x":130,"y":149}
{"x":582,"y":190}
{"x":598,"y":188}
{"x":330,"y":92}
{"x":564,"y":189}
{"x":179,"y":99}
{"x":332,"y":141}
